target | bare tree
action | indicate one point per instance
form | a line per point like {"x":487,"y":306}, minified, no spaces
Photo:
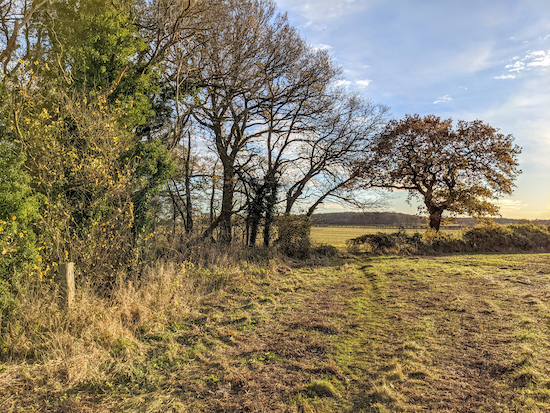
{"x":232,"y":64}
{"x":335,"y":141}
{"x":265,"y":101}
{"x":14,"y":16}
{"x":292,"y":100}
{"x":164,"y":24}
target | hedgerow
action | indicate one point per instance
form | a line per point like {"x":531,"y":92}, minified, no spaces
{"x":488,"y":237}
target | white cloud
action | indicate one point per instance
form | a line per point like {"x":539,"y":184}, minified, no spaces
{"x":363,"y":83}
{"x":505,"y":77}
{"x":512,"y":38}
{"x":443,"y":99}
{"x":321,"y":46}
{"x":342,"y":83}
{"x":538,"y":59}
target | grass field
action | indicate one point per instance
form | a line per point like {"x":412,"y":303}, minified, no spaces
{"x":337,"y":236}
{"x":466,"y":333}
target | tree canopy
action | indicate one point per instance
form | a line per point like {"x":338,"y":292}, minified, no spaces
{"x":459,"y":170}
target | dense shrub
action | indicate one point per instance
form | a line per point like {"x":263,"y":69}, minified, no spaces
{"x":294,"y":236}
{"x":326,"y":251}
{"x":18,"y":214}
{"x":387,"y":243}
{"x":520,"y":237}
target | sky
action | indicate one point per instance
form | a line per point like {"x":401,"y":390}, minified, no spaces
{"x":459,"y":59}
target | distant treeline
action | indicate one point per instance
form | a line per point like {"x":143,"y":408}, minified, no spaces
{"x":397,"y":220}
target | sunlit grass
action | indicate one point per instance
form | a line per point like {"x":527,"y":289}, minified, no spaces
{"x":337,"y":236}
{"x":365,"y":334}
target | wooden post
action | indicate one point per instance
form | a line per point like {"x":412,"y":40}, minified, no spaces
{"x":66,"y":280}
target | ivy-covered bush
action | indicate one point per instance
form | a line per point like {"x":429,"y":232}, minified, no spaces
{"x":294,"y":236}
{"x":19,"y":205}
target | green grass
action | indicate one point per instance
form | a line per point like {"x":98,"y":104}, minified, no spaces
{"x":381,"y":334}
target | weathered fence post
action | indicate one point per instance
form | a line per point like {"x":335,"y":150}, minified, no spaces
{"x":66,"y":280}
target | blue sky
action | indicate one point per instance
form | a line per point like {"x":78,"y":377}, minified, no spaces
{"x":462,"y":59}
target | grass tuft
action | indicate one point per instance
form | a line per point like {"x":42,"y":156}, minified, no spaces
{"x":322,"y":388}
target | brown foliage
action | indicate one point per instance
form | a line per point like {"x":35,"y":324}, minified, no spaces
{"x":456,"y":170}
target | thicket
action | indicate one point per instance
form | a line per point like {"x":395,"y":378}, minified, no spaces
{"x":488,"y":237}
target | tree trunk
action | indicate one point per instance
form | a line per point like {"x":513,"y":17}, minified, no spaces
{"x":227,"y":204}
{"x":188,"y":203}
{"x":270,"y":208}
{"x":435,"y":217}
{"x":212,"y":198}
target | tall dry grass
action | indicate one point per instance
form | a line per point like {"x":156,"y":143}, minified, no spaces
{"x":43,"y":342}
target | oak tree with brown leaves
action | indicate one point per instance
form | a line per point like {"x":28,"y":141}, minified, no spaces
{"x":460,"y":170}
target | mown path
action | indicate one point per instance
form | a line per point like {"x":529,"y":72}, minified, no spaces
{"x":446,"y":334}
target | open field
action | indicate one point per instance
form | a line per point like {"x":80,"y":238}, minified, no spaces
{"x":464,"y":333}
{"x":337,"y":236}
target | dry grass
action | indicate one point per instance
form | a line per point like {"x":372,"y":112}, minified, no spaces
{"x":385,"y":334}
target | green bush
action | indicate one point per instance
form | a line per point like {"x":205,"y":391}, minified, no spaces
{"x":294,"y":236}
{"x":19,"y":206}
{"x":18,"y":214}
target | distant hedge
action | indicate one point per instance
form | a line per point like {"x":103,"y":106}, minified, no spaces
{"x":483,"y":238}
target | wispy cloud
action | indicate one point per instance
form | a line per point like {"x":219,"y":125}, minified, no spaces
{"x":342,"y":83}
{"x":505,"y":77}
{"x":311,"y":25}
{"x":327,"y":10}
{"x":516,"y":67}
{"x":363,"y":83}
{"x":510,"y":205}
{"x":443,"y":99}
